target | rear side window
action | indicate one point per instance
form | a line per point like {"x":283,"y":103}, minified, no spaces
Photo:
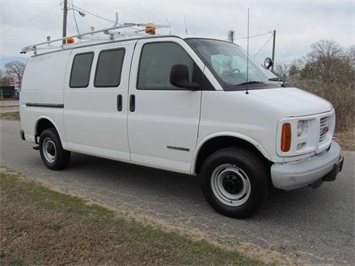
{"x":109,"y":68}
{"x":80,"y":72}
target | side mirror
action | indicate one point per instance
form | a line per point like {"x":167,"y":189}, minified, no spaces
{"x":268,"y":62}
{"x":179,"y":77}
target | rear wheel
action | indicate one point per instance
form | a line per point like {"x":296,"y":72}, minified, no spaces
{"x":52,"y":153}
{"x":235,"y":182}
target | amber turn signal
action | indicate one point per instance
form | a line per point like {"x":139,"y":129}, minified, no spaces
{"x":286,"y":137}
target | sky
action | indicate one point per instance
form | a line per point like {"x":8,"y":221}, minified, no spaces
{"x":298,"y":24}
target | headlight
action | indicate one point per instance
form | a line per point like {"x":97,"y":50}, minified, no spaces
{"x":300,"y":127}
{"x":294,"y":136}
{"x":304,"y":135}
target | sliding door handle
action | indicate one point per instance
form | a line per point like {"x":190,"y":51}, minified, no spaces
{"x":119,"y":103}
{"x":132,"y":103}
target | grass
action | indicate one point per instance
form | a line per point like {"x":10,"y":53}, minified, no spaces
{"x":43,"y":227}
{"x":7,"y":106}
{"x":9,"y":99}
{"x":10,"y":116}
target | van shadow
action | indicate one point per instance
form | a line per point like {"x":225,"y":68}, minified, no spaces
{"x":173,"y":187}
{"x":140,"y":180}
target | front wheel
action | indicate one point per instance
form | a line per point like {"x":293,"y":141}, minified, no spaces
{"x":52,"y":153}
{"x":235,"y":182}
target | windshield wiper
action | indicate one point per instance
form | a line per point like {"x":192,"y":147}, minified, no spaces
{"x":276,"y":79}
{"x":250,"y":82}
{"x":283,"y":84}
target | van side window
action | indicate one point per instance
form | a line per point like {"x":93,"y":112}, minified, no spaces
{"x":80,"y":72}
{"x":109,"y":68}
{"x":156,"y":62}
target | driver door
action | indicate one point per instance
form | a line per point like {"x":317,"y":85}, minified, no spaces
{"x":163,"y":120}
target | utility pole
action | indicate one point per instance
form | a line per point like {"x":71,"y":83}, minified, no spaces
{"x":65,"y":14}
{"x":273,"y":52}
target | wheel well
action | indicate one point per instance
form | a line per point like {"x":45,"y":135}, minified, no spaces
{"x":42,"y":125}
{"x":218,"y":143}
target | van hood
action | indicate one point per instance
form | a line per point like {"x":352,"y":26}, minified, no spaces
{"x":291,"y":102}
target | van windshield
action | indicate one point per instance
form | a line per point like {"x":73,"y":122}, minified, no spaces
{"x":228,"y":62}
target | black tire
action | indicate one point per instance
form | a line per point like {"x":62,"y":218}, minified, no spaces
{"x":52,"y":153}
{"x":235,"y":182}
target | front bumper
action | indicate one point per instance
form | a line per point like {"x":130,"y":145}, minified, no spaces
{"x":322,"y":167}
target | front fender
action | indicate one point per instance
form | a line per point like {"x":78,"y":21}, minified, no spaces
{"x":237,"y":136}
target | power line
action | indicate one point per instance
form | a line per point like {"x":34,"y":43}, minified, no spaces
{"x":76,"y":22}
{"x":258,"y":35}
{"x":80,"y":9}
{"x":4,"y":2}
{"x":29,"y":20}
{"x":261,"y":34}
{"x":264,"y":45}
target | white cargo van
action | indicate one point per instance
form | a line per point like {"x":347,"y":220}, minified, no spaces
{"x":192,"y":105}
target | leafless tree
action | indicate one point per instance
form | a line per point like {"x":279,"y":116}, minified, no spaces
{"x":283,"y":71}
{"x":329,"y":72}
{"x":15,"y":69}
{"x":4,"y":79}
{"x":351,"y":54}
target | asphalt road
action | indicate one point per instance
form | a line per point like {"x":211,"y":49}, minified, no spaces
{"x":315,"y":226}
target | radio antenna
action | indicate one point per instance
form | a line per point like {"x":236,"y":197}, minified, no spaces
{"x":169,"y":25}
{"x":247,"y":90}
{"x":185,"y":25}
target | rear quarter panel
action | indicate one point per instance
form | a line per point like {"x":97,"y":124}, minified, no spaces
{"x":42,"y":84}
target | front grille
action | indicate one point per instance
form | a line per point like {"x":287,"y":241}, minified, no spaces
{"x":323,"y":128}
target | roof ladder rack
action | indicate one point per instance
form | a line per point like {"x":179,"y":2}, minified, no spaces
{"x":108,"y":31}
